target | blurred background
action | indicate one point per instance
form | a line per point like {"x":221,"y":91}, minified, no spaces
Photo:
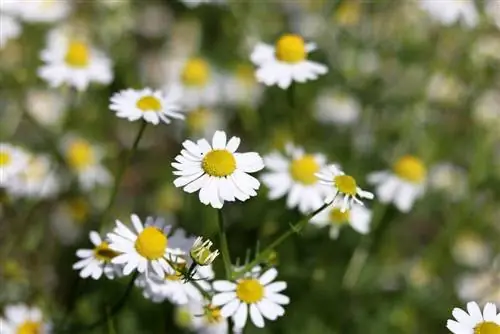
{"x":405,"y":77}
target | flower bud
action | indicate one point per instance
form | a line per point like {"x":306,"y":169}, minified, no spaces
{"x":200,"y":252}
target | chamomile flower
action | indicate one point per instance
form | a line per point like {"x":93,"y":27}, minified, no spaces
{"x":286,"y":62}
{"x":174,"y":287}
{"x":70,"y":59}
{"x":45,"y":11}
{"x":295,"y":174}
{"x":69,"y":218}
{"x":403,"y":185}
{"x":450,"y":12}
{"x":474,"y":321}
{"x":256,"y":293}
{"x":96,"y":261}
{"x":37,"y":180}
{"x":241,"y":88}
{"x":217,"y":171}
{"x":21,"y":318}
{"x":84,"y":159}
{"x":480,"y":286}
{"x":337,"y":108}
{"x":12,"y":161}
{"x":345,"y":187}
{"x":144,"y":250}
{"x":197,"y":80}
{"x":11,"y":29}
{"x":152,"y":106}
{"x":46,"y":106}
{"x":203,"y":318}
{"x":357,"y":216}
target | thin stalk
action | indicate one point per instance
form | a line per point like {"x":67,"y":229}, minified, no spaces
{"x":121,"y":172}
{"x":296,"y":228}
{"x":223,"y":245}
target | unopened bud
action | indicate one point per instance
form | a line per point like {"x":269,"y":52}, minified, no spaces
{"x":201,"y":253}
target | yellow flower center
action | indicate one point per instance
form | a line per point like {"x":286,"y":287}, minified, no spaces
{"x":245,"y":74}
{"x":346,"y":184}
{"x":348,"y":13}
{"x":250,"y":291}
{"x":219,"y":163}
{"x":78,"y":209}
{"x":303,"y":170}
{"x":212,"y":314}
{"x":410,"y":168}
{"x":151,"y":243}
{"x":5,"y":159}
{"x":30,"y":327}
{"x":148,"y":103}
{"x":196,"y":72}
{"x":291,"y":49}
{"x":104,"y":253}
{"x":337,"y":217}
{"x":80,"y":154}
{"x":77,"y":54}
{"x":197,"y":119}
{"x":487,"y":327}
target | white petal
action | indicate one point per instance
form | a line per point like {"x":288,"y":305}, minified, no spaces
{"x":230,"y":308}
{"x":219,"y":140}
{"x":489,"y":312}
{"x":223,"y":298}
{"x":233,"y":144}
{"x":268,"y":276}
{"x":224,"y":286}
{"x":240,"y":317}
{"x":256,"y":316}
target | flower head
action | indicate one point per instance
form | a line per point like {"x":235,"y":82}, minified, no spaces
{"x":255,"y":293}
{"x":474,"y":321}
{"x":96,"y":261}
{"x":201,"y":253}
{"x":21,"y":319}
{"x":286,"y":62}
{"x":356,"y":216}
{"x":13,"y":160}
{"x":217,"y":171}
{"x":345,"y":186}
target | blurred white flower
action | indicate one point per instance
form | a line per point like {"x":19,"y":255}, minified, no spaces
{"x":450,"y":179}
{"x":337,"y":108}
{"x":240,"y":87}
{"x":474,"y":321}
{"x":202,"y":318}
{"x":444,"y":88}
{"x":286,"y":62}
{"x":37,"y":11}
{"x":485,"y":111}
{"x":493,"y":10}
{"x":481,"y":286}
{"x":46,"y":106}
{"x":38,"y":179}
{"x":203,"y":122}
{"x":84,"y":159}
{"x":196,"y":3}
{"x":11,"y":29}
{"x":198,"y":81}
{"x":20,"y":319}
{"x":152,"y":106}
{"x":96,"y":261}
{"x":13,"y":160}
{"x":345,"y":188}
{"x":470,"y":250}
{"x":448,"y":12}
{"x":145,"y":249}
{"x":71,"y":60}
{"x":69,"y":218}
{"x":357,"y":216}
{"x":217,"y":171}
{"x":255,"y":294}
{"x":358,"y":63}
{"x":486,"y":49}
{"x":403,"y":185}
{"x":294,"y":173}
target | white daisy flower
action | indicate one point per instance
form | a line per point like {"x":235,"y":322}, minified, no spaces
{"x":197,"y":80}
{"x":36,"y":180}
{"x":144,"y":250}
{"x":20,"y":318}
{"x":403,"y":185}
{"x":94,"y":262}
{"x":85,"y":161}
{"x":450,"y":179}
{"x":44,"y":11}
{"x":295,"y":174}
{"x":345,"y":187}
{"x":485,"y":111}
{"x":357,"y":216}
{"x":172,"y":285}
{"x":241,"y":88}
{"x":444,"y":88}
{"x":474,"y":321}
{"x":11,"y":29}
{"x":493,"y":10}
{"x":217,"y":171}
{"x":202,"y":318}
{"x":46,"y":106}
{"x":450,"y":12}
{"x":286,"y":62}
{"x":337,"y":108}
{"x":204,"y":121}
{"x":471,"y":250}
{"x":69,"y":218}
{"x":256,"y":294}
{"x":481,"y":286}
{"x":152,"y":106}
{"x":12,"y":161}
{"x":71,"y":60}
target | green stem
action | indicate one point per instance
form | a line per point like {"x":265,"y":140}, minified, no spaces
{"x":223,"y":245}
{"x":263,"y":254}
{"x":121,"y":172}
